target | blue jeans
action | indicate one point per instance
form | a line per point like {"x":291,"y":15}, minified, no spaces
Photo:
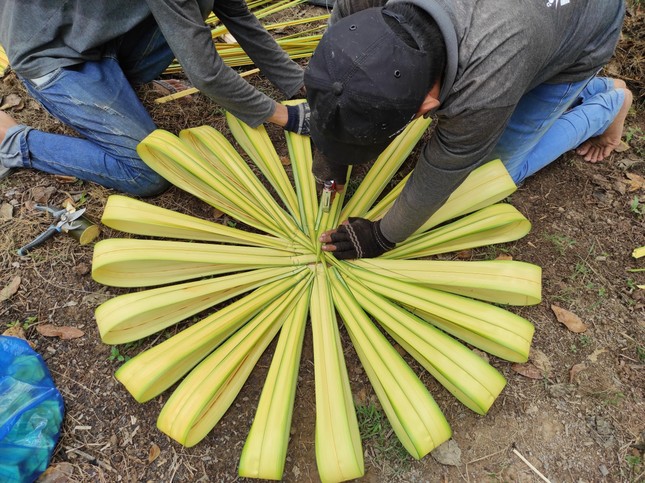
{"x":553,"y":119}
{"x":97,"y":100}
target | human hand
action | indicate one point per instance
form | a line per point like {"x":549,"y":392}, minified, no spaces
{"x":298,"y":118}
{"x":356,"y":238}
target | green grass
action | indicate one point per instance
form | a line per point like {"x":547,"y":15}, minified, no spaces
{"x":561,"y":243}
{"x":24,"y":324}
{"x":378,"y":435}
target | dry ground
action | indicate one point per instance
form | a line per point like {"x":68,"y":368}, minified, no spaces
{"x":572,"y":426}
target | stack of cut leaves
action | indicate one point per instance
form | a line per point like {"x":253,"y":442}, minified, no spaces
{"x":4,"y":61}
{"x":276,"y":279}
{"x":297,"y":45}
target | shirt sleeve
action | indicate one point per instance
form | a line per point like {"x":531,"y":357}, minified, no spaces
{"x":456,"y":147}
{"x":189,"y":38}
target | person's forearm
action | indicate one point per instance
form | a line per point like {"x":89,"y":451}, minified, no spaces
{"x":190,"y":40}
{"x":261,"y":47}
{"x":425,"y":192}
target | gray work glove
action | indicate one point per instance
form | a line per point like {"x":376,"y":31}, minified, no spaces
{"x":357,"y":238}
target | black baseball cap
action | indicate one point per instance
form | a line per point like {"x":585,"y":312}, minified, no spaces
{"x":364,"y":85}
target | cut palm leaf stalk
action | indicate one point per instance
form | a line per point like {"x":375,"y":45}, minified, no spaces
{"x":140,"y":218}
{"x":498,"y":281}
{"x":265,"y":450}
{"x":193,"y":90}
{"x":339,"y":454}
{"x":638,"y":253}
{"x":486,"y":185}
{"x":401,"y":298}
{"x":258,"y":146}
{"x":485,"y":326}
{"x":221,"y":29}
{"x":385,"y":166}
{"x":153,"y":371}
{"x":175,"y":160}
{"x":203,"y":397}
{"x":414,"y":415}
{"x":123,"y":262}
{"x":215,"y":148}
{"x":500,"y":223}
{"x":260,"y":10}
{"x":469,"y":378}
{"x":233,"y":55}
{"x":4,"y":61}
{"x":301,"y":164}
{"x":132,"y":316}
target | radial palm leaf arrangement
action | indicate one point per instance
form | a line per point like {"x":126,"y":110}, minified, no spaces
{"x":279,"y":280}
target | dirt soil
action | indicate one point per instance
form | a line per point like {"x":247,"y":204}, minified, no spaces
{"x":575,"y":412}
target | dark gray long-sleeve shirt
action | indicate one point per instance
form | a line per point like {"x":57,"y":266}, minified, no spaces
{"x":502,"y":49}
{"x":43,"y":35}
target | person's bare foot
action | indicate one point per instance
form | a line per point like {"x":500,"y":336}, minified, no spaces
{"x":598,"y":148}
{"x":6,"y":121}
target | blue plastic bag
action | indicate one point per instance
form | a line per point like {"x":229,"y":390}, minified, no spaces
{"x":31,"y":412}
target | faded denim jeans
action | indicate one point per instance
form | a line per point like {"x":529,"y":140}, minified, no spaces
{"x":97,"y":99}
{"x":553,"y":119}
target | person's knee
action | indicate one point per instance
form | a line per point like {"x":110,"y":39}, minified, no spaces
{"x":145,"y":186}
{"x":153,"y":189}
{"x":619,"y":84}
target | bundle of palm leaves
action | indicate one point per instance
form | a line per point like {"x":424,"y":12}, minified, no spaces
{"x":277,"y":279}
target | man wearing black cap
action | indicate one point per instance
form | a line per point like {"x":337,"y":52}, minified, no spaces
{"x":506,"y":79}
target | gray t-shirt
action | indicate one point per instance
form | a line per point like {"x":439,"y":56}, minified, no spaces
{"x":41,"y":36}
{"x":504,"y":48}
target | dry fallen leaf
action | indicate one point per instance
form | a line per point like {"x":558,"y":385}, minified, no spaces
{"x":540,"y":361}
{"x":61,"y":178}
{"x":569,"y":319}
{"x":12,"y":100}
{"x":528,"y":370}
{"x":154,"y":453}
{"x":620,"y":187}
{"x":593,"y":357}
{"x":504,"y":256}
{"x":15,"y":331}
{"x":58,"y":473}
{"x":50,"y":330}
{"x":622,"y":147}
{"x":10,"y":289}
{"x":42,"y":194}
{"x":575,"y":370}
{"x":636,"y":182}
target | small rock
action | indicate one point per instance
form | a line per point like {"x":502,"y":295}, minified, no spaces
{"x":449,"y":453}
{"x":6,"y":212}
{"x":603,"y":470}
{"x":533,"y":409}
{"x":560,"y":390}
{"x":82,"y":268}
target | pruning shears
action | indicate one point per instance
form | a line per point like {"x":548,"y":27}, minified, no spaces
{"x":64,"y":221}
